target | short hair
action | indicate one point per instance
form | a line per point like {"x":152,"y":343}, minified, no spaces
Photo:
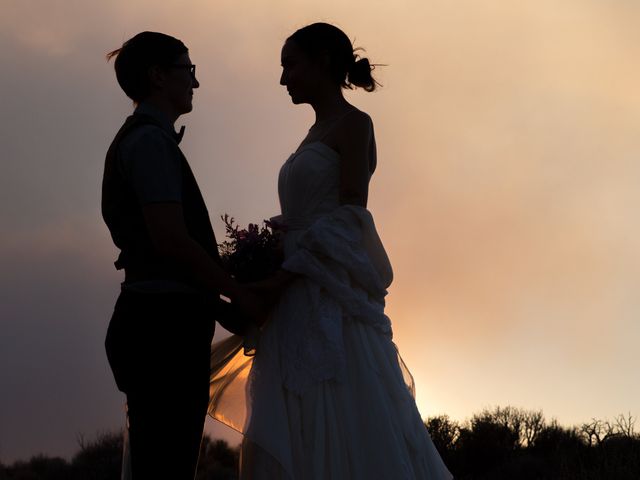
{"x":137,"y":55}
{"x":346,"y":68}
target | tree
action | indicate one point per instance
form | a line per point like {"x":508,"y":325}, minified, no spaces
{"x":443,"y":431}
{"x":533,"y":423}
{"x":38,"y":468}
{"x":217,"y":460}
{"x":100,"y":459}
{"x":625,"y":425}
{"x":484,"y":444}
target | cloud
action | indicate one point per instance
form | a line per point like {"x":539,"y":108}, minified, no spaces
{"x":505,"y":192}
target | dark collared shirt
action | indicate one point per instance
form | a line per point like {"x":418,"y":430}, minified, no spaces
{"x":150,"y":159}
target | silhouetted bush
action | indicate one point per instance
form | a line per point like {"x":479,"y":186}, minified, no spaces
{"x":444,"y":433}
{"x":100,"y":459}
{"x":217,"y":461}
{"x":38,"y":468}
{"x":511,"y":443}
{"x":498,"y":444}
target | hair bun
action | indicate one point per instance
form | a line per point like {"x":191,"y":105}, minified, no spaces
{"x":360,"y":74}
{"x":346,"y":68}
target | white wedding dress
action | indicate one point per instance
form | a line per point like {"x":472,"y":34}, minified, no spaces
{"x":327,"y":396}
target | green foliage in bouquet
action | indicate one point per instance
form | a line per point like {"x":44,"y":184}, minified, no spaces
{"x":250,"y":254}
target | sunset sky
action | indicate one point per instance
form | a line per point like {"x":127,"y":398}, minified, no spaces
{"x":507,"y":192}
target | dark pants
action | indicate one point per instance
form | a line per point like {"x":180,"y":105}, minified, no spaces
{"x":159,"y":347}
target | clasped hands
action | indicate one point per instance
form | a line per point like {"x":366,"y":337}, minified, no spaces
{"x":251,"y":303}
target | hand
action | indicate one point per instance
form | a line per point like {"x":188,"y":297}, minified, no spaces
{"x":272,"y":287}
{"x":231,"y":318}
{"x":252,"y":305}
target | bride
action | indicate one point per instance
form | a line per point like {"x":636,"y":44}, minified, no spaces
{"x":327,"y":395}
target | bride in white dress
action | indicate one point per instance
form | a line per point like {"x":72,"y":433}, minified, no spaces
{"x":327,"y":396}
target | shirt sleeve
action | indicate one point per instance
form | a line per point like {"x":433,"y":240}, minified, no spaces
{"x":151,"y":162}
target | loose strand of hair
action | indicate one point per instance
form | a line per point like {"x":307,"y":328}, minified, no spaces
{"x":113,"y":53}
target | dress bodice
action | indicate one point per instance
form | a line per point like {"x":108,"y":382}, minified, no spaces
{"x":308,"y":185}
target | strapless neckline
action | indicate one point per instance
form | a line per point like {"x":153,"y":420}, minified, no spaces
{"x":317,"y":143}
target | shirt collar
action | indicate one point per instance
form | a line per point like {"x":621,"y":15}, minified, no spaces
{"x":162,"y":119}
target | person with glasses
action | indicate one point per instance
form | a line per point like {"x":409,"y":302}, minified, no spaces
{"x":159,"y":337}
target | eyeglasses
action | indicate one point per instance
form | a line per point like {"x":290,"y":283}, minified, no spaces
{"x":191,"y":68}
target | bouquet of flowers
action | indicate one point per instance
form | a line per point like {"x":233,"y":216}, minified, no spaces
{"x":250,"y":255}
